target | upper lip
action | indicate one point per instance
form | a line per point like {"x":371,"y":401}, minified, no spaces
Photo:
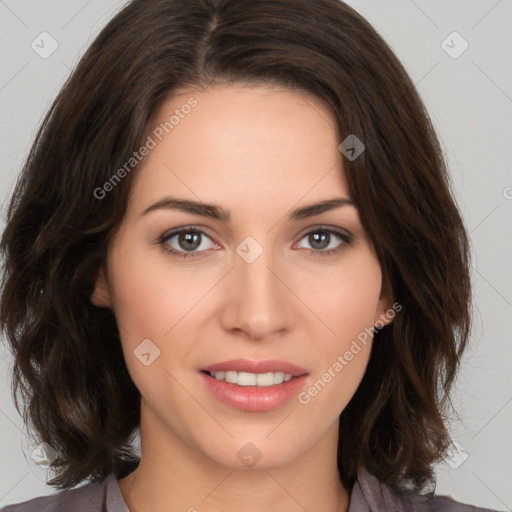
{"x":251,"y":366}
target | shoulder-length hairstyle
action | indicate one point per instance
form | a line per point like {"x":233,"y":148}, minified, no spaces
{"x":68,"y":363}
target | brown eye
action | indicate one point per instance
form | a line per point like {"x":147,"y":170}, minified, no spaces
{"x":186,"y":242}
{"x":323,"y":241}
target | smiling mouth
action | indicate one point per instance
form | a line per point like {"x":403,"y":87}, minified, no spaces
{"x":255,"y":386}
{"x":250,"y":379}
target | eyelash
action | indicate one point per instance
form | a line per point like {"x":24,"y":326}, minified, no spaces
{"x":346,"y":240}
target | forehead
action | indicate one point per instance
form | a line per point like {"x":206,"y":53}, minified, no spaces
{"x":252,"y":143}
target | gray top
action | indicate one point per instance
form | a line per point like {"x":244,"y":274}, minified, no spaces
{"x":368,"y":495}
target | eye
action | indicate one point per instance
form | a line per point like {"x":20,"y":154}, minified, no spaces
{"x":189,"y":242}
{"x":323,"y":241}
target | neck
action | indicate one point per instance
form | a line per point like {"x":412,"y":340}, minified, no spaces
{"x":173,"y":475}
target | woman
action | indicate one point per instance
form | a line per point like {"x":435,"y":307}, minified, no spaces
{"x":299,"y":354}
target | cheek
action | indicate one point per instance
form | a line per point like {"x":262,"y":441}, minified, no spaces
{"x":149,"y":299}
{"x":348,"y":307}
{"x":348,"y":299}
{"x":157,"y":300}
{"x":151,"y":295}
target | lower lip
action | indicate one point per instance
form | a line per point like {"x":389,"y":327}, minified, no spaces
{"x":254,"y":398}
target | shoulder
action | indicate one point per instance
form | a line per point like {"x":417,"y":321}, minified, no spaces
{"x":381,"y":498}
{"x":90,"y":497}
{"x":100,"y":496}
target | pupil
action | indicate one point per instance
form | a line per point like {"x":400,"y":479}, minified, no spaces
{"x":313,"y":239}
{"x":188,"y":238}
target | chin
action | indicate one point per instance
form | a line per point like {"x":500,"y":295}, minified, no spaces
{"x":258,"y":451}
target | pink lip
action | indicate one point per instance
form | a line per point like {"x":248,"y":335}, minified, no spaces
{"x":246,"y":365}
{"x":254,"y":398}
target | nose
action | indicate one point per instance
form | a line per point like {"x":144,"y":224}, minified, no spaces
{"x":259,"y":304}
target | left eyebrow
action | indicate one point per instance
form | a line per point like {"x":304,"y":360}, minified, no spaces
{"x":218,"y":213}
{"x":321,"y":207}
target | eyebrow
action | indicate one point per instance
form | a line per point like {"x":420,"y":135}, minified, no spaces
{"x":218,"y":213}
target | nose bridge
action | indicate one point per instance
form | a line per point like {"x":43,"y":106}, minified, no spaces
{"x":259,"y":297}
{"x":252,"y":268}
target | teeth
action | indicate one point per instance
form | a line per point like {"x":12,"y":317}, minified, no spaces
{"x":231,"y":377}
{"x":252,"y":379}
{"x":269,"y":379}
{"x":246,"y":379}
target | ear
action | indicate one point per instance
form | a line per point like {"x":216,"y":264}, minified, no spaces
{"x":386,"y":310}
{"x":101,"y":294}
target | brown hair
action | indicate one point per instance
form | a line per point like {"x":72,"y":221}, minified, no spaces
{"x":69,"y":366}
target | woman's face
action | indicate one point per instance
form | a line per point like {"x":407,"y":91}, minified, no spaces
{"x":276,"y":299}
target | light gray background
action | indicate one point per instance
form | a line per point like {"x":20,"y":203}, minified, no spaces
{"x":470,"y":101}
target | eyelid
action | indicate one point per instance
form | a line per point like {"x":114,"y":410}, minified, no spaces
{"x":185,"y":229}
{"x":326,"y":227}
{"x":204,"y":230}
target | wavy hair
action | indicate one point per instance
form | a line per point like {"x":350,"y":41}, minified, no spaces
{"x":68,"y":366}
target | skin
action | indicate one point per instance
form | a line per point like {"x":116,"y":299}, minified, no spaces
{"x":259,"y":152}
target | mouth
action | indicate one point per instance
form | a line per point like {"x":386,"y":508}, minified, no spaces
{"x":256,"y":386}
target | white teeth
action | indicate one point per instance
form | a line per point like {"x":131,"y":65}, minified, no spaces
{"x":279,"y":377}
{"x":252,"y":379}
{"x":265,"y":379}
{"x":231,"y":377}
{"x":246,"y":379}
